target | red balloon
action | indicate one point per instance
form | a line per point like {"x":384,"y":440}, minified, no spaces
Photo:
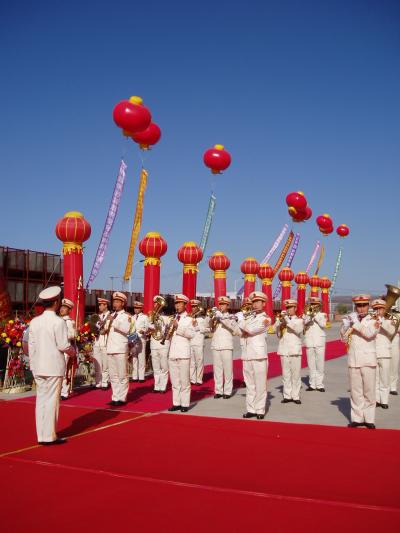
{"x":296,"y":200}
{"x":147,"y":137}
{"x":217,"y":159}
{"x":298,"y":215}
{"x":342,"y":230}
{"x":327,"y":230}
{"x":324,"y":221}
{"x":308,"y":212}
{"x":132,"y":117}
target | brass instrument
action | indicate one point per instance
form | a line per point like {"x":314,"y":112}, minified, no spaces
{"x":249,"y":314}
{"x":392,"y":295}
{"x":155,"y":319}
{"x":310,"y":310}
{"x":170,"y":329}
{"x":197,"y":313}
{"x":282,"y":323}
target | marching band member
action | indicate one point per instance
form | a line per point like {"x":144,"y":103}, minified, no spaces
{"x":197,"y":345}
{"x":140,"y":322}
{"x":223,"y":328}
{"x":118,"y":327}
{"x":100,"y":346}
{"x":315,"y":340}
{"x":48,"y":344}
{"x":254,"y":329}
{"x":180,"y":331}
{"x":383,"y":354}
{"x":65,"y":309}
{"x":240,"y":315}
{"x":394,"y":364}
{"x":159,"y":353}
{"x":289,"y":329}
{"x":359,"y":331}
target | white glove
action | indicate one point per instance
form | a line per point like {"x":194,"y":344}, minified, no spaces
{"x":306,"y":319}
{"x":218,"y":315}
{"x":353,"y":318}
{"x":346,"y":322}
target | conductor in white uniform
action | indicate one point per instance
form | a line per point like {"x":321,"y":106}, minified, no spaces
{"x":48,"y":342}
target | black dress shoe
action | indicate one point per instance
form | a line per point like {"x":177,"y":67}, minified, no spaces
{"x":297,"y":402}
{"x":321,"y":390}
{"x":309,"y":389}
{"x":193,"y":383}
{"x":394,"y":392}
{"x":384,"y":406}
{"x":104,"y":388}
{"x":378,"y":404}
{"x":175,"y":408}
{"x":113,"y":402}
{"x":260,"y":417}
{"x":135,"y":380}
{"x":355,"y":424}
{"x":57,"y":441}
{"x":162,"y":391}
{"x":217,"y":396}
{"x":184,"y":409}
{"x":369,"y":425}
{"x":227,"y":396}
{"x":199,"y":383}
{"x":249,"y":415}
{"x":142,"y":380}
{"x":155,"y":390}
{"x":120,"y":402}
{"x":286,"y":400}
{"x":64,"y":398}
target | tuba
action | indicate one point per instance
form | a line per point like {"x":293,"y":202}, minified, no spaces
{"x":392,"y":295}
{"x":155,"y":319}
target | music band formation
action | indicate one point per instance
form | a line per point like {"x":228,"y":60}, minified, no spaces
{"x":177,"y":351}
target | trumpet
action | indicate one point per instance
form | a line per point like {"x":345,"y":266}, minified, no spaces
{"x":197,"y":313}
{"x":170,"y":329}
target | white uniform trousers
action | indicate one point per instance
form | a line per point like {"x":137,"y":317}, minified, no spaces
{"x":139,"y":362}
{"x":316,"y":364}
{"x":223,"y":371}
{"x":383,"y":380}
{"x":179,"y":371}
{"x":118,"y":370}
{"x":47,"y":405}
{"x":291,"y":367}
{"x":196,"y":364}
{"x":362,"y":394}
{"x":100,"y":361}
{"x":65,"y":385}
{"x":394,"y":369}
{"x":255,"y":377}
{"x":159,"y":360}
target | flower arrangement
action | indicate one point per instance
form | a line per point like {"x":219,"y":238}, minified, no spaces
{"x":85,"y":339}
{"x":12,"y":331}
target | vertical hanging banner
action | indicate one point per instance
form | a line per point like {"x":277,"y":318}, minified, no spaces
{"x":137,"y":223}
{"x":112,"y":213}
{"x":289,"y":261}
{"x":208,"y":222}
{"x":284,"y":252}
{"x":321,"y":258}
{"x":337,"y":267}
{"x":313,"y":257}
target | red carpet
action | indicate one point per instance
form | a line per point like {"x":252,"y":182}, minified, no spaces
{"x":141,"y":398}
{"x":174,"y":473}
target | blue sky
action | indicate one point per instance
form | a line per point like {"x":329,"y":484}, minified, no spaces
{"x":304,"y":95}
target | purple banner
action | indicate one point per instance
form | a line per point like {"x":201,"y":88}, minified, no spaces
{"x":112,"y":213}
{"x":293,"y":251}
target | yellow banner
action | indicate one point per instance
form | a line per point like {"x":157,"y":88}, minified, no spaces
{"x":137,"y":223}
{"x":321,"y":258}
{"x":284,"y":252}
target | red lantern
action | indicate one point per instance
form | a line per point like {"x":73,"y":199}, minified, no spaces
{"x":308,"y":212}
{"x":296,"y":200}
{"x":286,"y":275}
{"x":217,"y":159}
{"x":342,"y":230}
{"x":131,"y":115}
{"x":326,"y":231}
{"x":147,"y":137}
{"x":324,"y":221}
{"x":298,"y":215}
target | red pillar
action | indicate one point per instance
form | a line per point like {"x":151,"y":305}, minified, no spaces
{"x":301,"y":279}
{"x":249,"y":268}
{"x":73,"y":230}
{"x":266,"y":274}
{"x":219,"y":263}
{"x":285,"y":276}
{"x":190,"y":255}
{"x":314,"y":284}
{"x":325,"y":284}
{"x":152,"y":246}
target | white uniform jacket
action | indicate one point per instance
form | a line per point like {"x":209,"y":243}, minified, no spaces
{"x":384,"y":339}
{"x":71,"y":328}
{"x":223,"y":334}
{"x":362,"y":349}
{"x":203,"y":328}
{"x":315,"y":330}
{"x":48,"y":341}
{"x":141,"y":324}
{"x":255,"y":344}
{"x":155,"y":345}
{"x":117,"y":341}
{"x":101,"y":340}
{"x":180,"y":342}
{"x":290,"y":342}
